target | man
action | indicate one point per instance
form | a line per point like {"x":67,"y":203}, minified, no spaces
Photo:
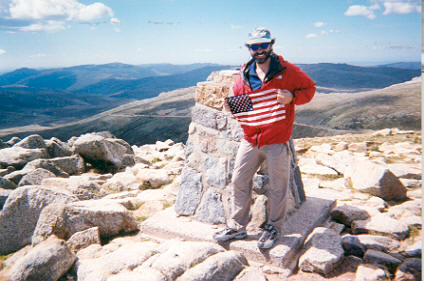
{"x":271,"y":87}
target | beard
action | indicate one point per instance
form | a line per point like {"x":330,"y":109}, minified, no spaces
{"x":262,"y":59}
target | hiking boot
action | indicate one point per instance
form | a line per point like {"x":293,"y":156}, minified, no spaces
{"x":268,"y":237}
{"x":228,"y":234}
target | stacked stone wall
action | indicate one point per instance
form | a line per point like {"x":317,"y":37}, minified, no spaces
{"x":213,"y":141}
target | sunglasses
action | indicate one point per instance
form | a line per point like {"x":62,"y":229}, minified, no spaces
{"x":255,"y":47}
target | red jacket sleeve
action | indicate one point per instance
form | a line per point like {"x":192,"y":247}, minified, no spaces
{"x":303,"y":86}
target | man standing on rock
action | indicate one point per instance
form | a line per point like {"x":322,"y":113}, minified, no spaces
{"x":266,"y":93}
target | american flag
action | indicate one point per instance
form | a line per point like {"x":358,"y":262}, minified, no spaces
{"x":257,"y":109}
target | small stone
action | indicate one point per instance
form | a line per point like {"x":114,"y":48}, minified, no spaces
{"x":377,"y":242}
{"x":149,"y":208}
{"x":325,"y":251}
{"x":370,"y":272}
{"x":204,"y":115}
{"x":211,"y":209}
{"x":57,"y":148}
{"x":221,"y":266}
{"x":414,"y":250}
{"x":412,"y":207}
{"x":32,"y":142}
{"x":190,"y":192}
{"x":182,"y":257}
{"x":409,"y":270}
{"x":103,"y":152}
{"x":4,"y":193}
{"x":251,"y":274}
{"x":216,"y":171}
{"x":13,"y":141}
{"x":273,"y":270}
{"x":353,"y":246}
{"x":406,"y":171}
{"x":373,"y":256}
{"x":369,"y":177}
{"x":377,"y":203}
{"x":83,"y":239}
{"x":346,"y":214}
{"x":63,"y":220}
{"x":7,"y":184}
{"x":4,"y":172}
{"x":152,"y":178}
{"x":358,"y":146}
{"x":69,"y":165}
{"x":411,"y":184}
{"x":18,"y":156}
{"x":341,"y":146}
{"x":47,"y":261}
{"x":35,"y":177}
{"x":101,"y":263}
{"x":381,"y":224}
{"x":309,"y":166}
{"x":16,"y":176}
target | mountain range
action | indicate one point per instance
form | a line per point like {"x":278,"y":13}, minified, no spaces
{"x":168,"y":116}
{"x":59,"y":96}
{"x":44,"y":97}
{"x":344,"y":77}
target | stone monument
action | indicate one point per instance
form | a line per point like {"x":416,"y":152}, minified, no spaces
{"x":214,"y":137}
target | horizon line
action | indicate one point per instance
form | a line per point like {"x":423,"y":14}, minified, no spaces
{"x":357,"y":63}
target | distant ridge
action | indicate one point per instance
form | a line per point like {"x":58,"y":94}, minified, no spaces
{"x":77,"y":77}
{"x":149,"y":86}
{"x":85,"y":78}
{"x":346,"y":77}
{"x":16,"y":76}
{"x":404,"y":65}
{"x":63,"y":95}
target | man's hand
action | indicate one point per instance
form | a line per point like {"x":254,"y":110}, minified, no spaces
{"x":284,"y":96}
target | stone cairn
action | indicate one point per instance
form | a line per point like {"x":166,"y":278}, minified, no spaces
{"x":214,"y":137}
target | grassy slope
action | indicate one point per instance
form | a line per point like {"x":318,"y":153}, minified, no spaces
{"x":395,"y":106}
{"x":124,"y":121}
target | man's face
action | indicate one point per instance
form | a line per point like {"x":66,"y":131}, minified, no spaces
{"x":260,"y":52}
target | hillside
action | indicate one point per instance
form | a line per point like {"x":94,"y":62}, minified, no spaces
{"x":20,"y":106}
{"x":138,"y":122}
{"x":394,"y":106}
{"x":47,"y":97}
{"x":168,"y":116}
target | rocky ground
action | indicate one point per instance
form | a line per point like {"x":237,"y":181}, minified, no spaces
{"x":77,"y":210}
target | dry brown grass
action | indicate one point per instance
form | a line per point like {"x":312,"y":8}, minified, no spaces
{"x":394,"y":106}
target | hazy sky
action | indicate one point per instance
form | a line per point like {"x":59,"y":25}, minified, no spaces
{"x":50,"y":33}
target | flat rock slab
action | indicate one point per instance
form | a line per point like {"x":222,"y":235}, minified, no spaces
{"x":167,"y":224}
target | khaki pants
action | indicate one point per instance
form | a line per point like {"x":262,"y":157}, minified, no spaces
{"x":248,"y":160}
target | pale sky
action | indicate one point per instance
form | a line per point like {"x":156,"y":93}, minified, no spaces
{"x":56,"y":33}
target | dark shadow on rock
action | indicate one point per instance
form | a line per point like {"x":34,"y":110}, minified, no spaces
{"x":345,"y":214}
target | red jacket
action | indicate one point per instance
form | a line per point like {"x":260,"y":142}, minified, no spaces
{"x":282,"y":75}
